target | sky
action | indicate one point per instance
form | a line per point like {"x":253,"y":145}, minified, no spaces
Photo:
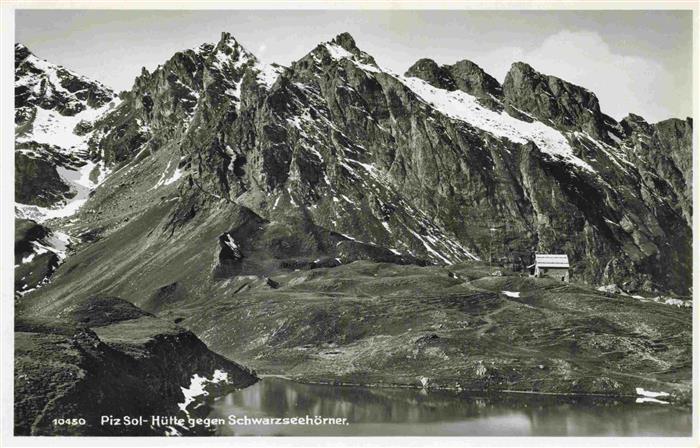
{"x":635,"y":61}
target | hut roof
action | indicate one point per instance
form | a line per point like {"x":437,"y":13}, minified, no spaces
{"x":552,"y":260}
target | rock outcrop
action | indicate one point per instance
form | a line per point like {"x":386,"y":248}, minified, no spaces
{"x":463,"y":75}
{"x":107,"y":357}
{"x":38,"y":252}
{"x":553,"y":100}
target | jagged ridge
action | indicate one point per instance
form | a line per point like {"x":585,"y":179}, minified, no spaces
{"x":402,"y":162}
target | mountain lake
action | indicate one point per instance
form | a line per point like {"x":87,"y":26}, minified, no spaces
{"x":415,"y":412}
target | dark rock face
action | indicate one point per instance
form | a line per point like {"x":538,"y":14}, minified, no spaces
{"x":553,"y":100}
{"x":35,"y":259}
{"x":472,"y":79}
{"x":37,"y":182}
{"x":662,"y":149}
{"x":104,"y":310}
{"x":165,"y":296}
{"x":430,"y":72}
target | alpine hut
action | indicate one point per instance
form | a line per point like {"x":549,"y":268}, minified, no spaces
{"x":552,"y":265}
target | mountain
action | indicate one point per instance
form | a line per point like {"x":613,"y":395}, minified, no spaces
{"x":54,"y":110}
{"x":398,"y":165}
{"x":85,"y":362}
{"x":280,"y":212}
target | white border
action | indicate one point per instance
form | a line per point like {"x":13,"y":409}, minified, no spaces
{"x":7,"y":230}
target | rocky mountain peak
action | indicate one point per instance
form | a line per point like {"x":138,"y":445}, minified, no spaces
{"x":54,"y":112}
{"x":346,"y":41}
{"x":339,"y":50}
{"x":229,"y":46}
{"x":430,"y":72}
{"x":21,"y":53}
{"x":553,"y":100}
{"x":227,"y":37}
{"x":471,"y":78}
{"x":343,"y":46}
{"x":519,"y":68}
{"x":186,"y":67}
{"x":463,"y":75}
{"x":634,"y":118}
{"x":634,"y":121}
{"x":52,"y":87}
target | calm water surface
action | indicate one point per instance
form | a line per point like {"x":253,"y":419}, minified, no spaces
{"x":411,"y":412}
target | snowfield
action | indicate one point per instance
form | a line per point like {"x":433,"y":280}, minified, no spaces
{"x":49,"y":127}
{"x":464,"y":107}
{"x":80,"y":183}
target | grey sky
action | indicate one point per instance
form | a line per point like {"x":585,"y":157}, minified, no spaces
{"x":635,"y":61}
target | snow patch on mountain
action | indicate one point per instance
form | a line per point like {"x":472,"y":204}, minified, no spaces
{"x":231,"y":243}
{"x":429,"y":248}
{"x":464,"y":107}
{"x":235,"y":92}
{"x":81,"y":180}
{"x":197,"y":388}
{"x":52,"y":128}
{"x":177,"y":174}
{"x":268,"y":74}
{"x":617,"y":156}
{"x":339,"y":53}
{"x":647,"y":393}
{"x":56,"y":242}
{"x":171,"y":177}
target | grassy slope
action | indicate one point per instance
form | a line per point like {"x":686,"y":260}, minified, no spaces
{"x":368,"y":322}
{"x":372,"y":323}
